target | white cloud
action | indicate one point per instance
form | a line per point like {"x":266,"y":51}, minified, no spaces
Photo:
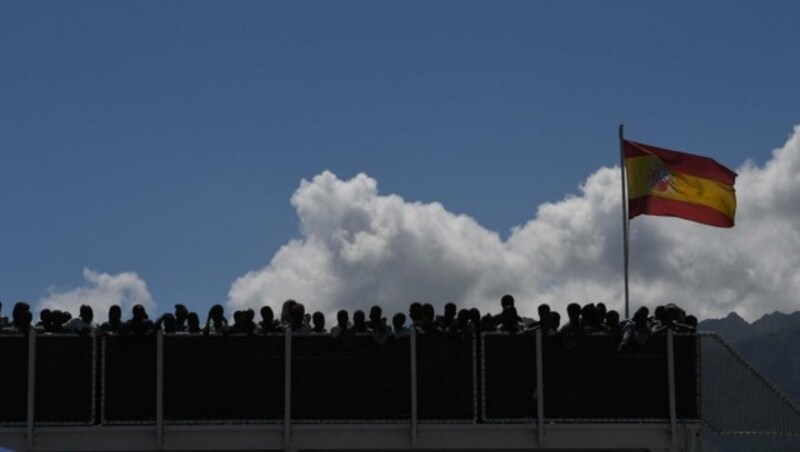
{"x":360,"y":248}
{"x":102,"y":290}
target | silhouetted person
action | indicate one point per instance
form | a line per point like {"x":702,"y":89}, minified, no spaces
{"x":216,"y":322}
{"x":239,"y":323}
{"x":462,"y":323}
{"x":193,"y":323}
{"x":488,"y":324}
{"x":475,"y":319}
{"x":506,"y":301}
{"x":267,"y":324}
{"x":659,"y":322}
{"x":342,"y":327}
{"x":167,"y":323}
{"x":399,"y":326}
{"x":181,"y":314}
{"x":3,"y":320}
{"x":555,"y":321}
{"x":691,"y":324}
{"x":589,"y":320}
{"x":572,"y":330}
{"x":297,"y":320}
{"x":447,"y":322}
{"x":318,"y":319}
{"x":612,"y":325}
{"x":360,"y":322}
{"x":50,"y":321}
{"x":114,"y":323}
{"x":21,"y":318}
{"x":544,"y":321}
{"x":415,"y":314}
{"x":57,"y":321}
{"x":602,"y":311}
{"x":509,"y":322}
{"x":429,"y":325}
{"x":375,"y":316}
{"x":377,"y":325}
{"x":139,"y":322}
{"x":636,"y":331}
{"x":286,"y":312}
{"x":83,"y":323}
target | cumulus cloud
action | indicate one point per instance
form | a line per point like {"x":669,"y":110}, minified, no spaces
{"x":101,"y":291}
{"x":359,"y":247}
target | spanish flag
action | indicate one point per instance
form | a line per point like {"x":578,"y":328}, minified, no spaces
{"x":676,"y":184}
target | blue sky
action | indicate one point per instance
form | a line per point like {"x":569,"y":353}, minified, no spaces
{"x":167,"y":138}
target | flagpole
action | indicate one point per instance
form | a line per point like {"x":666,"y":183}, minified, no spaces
{"x":624,"y":215}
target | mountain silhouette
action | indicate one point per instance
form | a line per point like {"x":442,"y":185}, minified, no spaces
{"x":771,"y":344}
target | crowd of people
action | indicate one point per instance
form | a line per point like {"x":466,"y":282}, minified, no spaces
{"x":583,"y":320}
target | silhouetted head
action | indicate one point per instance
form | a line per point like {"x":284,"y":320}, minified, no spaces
{"x":612,"y":319}
{"x":555,"y":320}
{"x":450,"y":311}
{"x":487,"y":323}
{"x":463,"y":318}
{"x":660,"y":313}
{"x":26,"y":320}
{"x":691,"y":321}
{"x":475,"y":316}
{"x":509,"y":318}
{"x":359,"y":320}
{"x":216,"y":313}
{"x":319,"y":321}
{"x":193,"y":322}
{"x":574,"y":313}
{"x":181,"y":312}
{"x":415,"y":311}
{"x":674,"y":313}
{"x":286,"y":311}
{"x":506,"y":301}
{"x":589,"y":316}
{"x":44,"y":316}
{"x":428,"y":312}
{"x":267,"y":316}
{"x":544,"y":312}
{"x":342,"y":318}
{"x":20,"y":307}
{"x":399,"y":321}
{"x":138,"y":312}
{"x":298,"y":314}
{"x":600,"y":309}
{"x":640,"y":316}
{"x":86,"y":313}
{"x":375,"y":314}
{"x":169,"y":323}
{"x":114,"y":314}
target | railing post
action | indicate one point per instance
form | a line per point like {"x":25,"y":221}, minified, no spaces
{"x":413,"y":386}
{"x":539,"y":388}
{"x":160,"y":388}
{"x":31,"y":385}
{"x":671,"y":382}
{"x":287,"y":390}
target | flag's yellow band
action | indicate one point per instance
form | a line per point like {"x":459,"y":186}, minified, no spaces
{"x":648,"y":176}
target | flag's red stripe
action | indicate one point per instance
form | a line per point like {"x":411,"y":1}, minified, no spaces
{"x":682,"y":162}
{"x":654,"y":205}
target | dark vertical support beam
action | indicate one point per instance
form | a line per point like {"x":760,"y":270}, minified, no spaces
{"x":539,"y":388}
{"x":160,"y":388}
{"x":671,"y":381}
{"x":31,"y":385}
{"x":287,"y":390}
{"x":413,"y":354}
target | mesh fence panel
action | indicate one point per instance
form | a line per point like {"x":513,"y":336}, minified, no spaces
{"x":736,"y":399}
